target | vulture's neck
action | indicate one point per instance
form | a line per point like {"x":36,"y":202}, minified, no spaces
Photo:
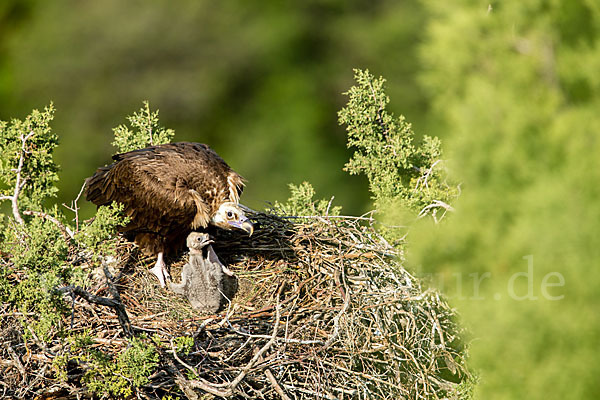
{"x":203,"y":252}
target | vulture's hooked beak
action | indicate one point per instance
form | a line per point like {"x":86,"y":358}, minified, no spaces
{"x":244,"y":224}
{"x":248,"y":227}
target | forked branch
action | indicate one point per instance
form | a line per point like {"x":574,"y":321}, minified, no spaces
{"x":20,"y":181}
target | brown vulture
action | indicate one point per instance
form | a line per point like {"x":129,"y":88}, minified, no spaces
{"x":167,"y":191}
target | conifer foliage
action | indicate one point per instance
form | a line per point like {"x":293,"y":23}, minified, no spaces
{"x":400,"y":172}
{"x":145,"y":131}
{"x":27,"y":171}
{"x":44,"y":256}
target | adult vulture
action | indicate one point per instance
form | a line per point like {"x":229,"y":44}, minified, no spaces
{"x":167,"y":191}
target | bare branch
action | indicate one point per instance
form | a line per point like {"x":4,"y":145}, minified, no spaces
{"x":276,"y":385}
{"x":179,"y":360}
{"x":17,"y":362}
{"x":336,"y":320}
{"x":67,"y":232}
{"x":75,"y":206}
{"x":19,"y":181}
{"x":182,"y":382}
{"x":434,"y":205}
{"x":423,"y":179}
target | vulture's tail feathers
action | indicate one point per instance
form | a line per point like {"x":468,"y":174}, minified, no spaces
{"x":98,"y":187}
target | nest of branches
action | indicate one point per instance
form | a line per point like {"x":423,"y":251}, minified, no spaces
{"x":323,"y":309}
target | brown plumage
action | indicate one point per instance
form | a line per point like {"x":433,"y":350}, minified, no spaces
{"x":169,"y":190}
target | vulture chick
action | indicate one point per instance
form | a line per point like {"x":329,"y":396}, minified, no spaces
{"x":167,"y":191}
{"x":202,"y":277}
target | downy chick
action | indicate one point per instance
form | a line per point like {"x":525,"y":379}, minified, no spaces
{"x":202,"y":277}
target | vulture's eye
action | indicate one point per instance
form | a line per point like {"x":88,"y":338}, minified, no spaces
{"x":229,"y":214}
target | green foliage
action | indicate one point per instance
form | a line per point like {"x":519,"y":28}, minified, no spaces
{"x":37,"y":295}
{"x":33,"y":252}
{"x":26,"y":162}
{"x":184,"y":344}
{"x":34,"y":265}
{"x":138,"y":361}
{"x":36,"y":250}
{"x":145,"y":131}
{"x":108,"y":376}
{"x":302,"y":203}
{"x":78,"y":348}
{"x":517,"y":92}
{"x":39,"y":246}
{"x":400,"y":174}
{"x":98,"y":236}
{"x":59,"y":367}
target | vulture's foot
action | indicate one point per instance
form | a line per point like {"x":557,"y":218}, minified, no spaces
{"x":160,"y":270}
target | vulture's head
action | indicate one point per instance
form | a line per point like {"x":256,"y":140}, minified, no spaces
{"x":198,"y":240}
{"x":229,"y":216}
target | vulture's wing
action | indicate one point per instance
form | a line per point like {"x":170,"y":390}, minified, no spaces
{"x":179,"y":183}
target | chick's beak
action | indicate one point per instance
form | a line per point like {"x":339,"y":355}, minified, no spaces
{"x":206,"y":241}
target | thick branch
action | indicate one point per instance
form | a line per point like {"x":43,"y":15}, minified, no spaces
{"x":276,"y":385}
{"x":121,"y":312}
{"x":114,"y":303}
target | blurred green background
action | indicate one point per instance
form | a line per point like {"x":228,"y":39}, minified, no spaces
{"x":512,"y":89}
{"x":260,"y":82}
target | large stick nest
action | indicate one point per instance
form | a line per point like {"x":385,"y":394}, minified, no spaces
{"x":323,"y":309}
